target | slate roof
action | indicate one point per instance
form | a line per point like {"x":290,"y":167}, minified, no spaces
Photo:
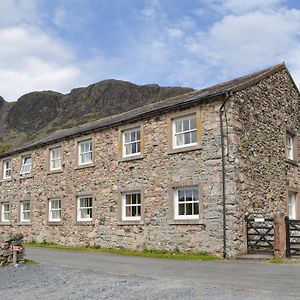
{"x":181,"y":101}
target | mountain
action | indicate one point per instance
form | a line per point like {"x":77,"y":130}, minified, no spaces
{"x":37,"y":114}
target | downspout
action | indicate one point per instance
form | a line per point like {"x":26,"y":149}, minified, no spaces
{"x":221,"y":112}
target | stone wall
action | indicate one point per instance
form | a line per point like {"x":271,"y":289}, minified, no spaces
{"x":155,"y":172}
{"x":263,"y":114}
{"x":7,"y":241}
{"x":257,"y":178}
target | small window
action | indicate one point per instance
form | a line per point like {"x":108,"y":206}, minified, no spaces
{"x":26,"y":165}
{"x":84,"y":208}
{"x":292,"y":205}
{"x":54,"y":210}
{"x":5,"y":212}
{"x":290,"y":146}
{"x":25,"y":211}
{"x":131,"y":206}
{"x":184,"y":131}
{"x":132,"y":142}
{"x":7,"y":166}
{"x":55,"y":159}
{"x":186,"y":203}
{"x":85,"y":152}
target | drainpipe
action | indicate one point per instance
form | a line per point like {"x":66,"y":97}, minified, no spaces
{"x":221,"y":112}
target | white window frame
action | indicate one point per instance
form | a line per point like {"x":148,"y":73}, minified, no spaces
{"x":22,"y":211}
{"x":6,"y":169}
{"x":90,"y":141}
{"x":292,"y":205}
{"x":24,"y":164}
{"x":137,"y":141}
{"x":51,"y":209}
{"x":124,"y":206}
{"x":175,"y":133}
{"x":176,"y":203}
{"x":52,"y":159}
{"x":5,"y":212}
{"x":290,"y":146}
{"x":80,"y":208}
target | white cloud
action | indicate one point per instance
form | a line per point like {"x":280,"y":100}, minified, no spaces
{"x":240,"y":7}
{"x":17,"y":11}
{"x":241,"y":43}
{"x":61,"y":17}
{"x":33,"y":60}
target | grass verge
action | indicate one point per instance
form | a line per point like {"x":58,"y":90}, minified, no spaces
{"x":282,"y":261}
{"x":30,"y":262}
{"x":144,"y":253}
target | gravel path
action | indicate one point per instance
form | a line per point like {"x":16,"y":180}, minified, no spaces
{"x":48,"y":282}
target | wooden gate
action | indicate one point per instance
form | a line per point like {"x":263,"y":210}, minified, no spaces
{"x":292,"y":237}
{"x":260,"y":235}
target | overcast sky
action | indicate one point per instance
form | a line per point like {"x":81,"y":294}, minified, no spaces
{"x":59,"y":45}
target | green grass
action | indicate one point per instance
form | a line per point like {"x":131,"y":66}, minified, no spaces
{"x":30,"y":262}
{"x":144,"y":253}
{"x":281,"y":261}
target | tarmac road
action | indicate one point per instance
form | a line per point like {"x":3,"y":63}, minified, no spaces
{"x":108,"y":276}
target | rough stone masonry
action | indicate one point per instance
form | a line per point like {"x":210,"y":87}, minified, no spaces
{"x":259,"y":111}
{"x":10,"y":243}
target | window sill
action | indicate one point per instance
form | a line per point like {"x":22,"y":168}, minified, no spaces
{"x":84,"y":166}
{"x":133,"y":222}
{"x":186,"y":222}
{"x":25,"y":176}
{"x":52,"y":223}
{"x":6,"y":180}
{"x":85,"y":223}
{"x":184,"y":149}
{"x":292,"y":162}
{"x":54,"y":171}
{"x":24,"y":223}
{"x":5,"y":224}
{"x":129,"y":158}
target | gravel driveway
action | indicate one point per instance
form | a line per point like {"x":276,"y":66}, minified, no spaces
{"x":148,"y":279}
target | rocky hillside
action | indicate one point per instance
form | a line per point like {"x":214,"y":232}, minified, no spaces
{"x":37,"y":114}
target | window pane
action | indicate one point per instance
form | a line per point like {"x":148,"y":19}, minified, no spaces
{"x":138,"y":134}
{"x":133,"y":136}
{"x":181,"y":195}
{"x":196,"y":208}
{"x":178,"y":126}
{"x":186,"y":124}
{"x":181,"y":210}
{"x":187,"y":138}
{"x":189,"y":209}
{"x":128,"y":198}
{"x":133,"y":148}
{"x":193,"y":123}
{"x":127,"y":137}
{"x":194,"y":137}
{"x":128,"y":211}
{"x":179,"y":140}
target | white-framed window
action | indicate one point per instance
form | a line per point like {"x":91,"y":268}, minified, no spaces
{"x":85,"y":152}
{"x":55,"y":159}
{"x":54,"y":210}
{"x":25,"y":211}
{"x":131,"y":206}
{"x":292,"y":205}
{"x":131,"y":140}
{"x":26,"y":165}
{"x":290,"y":146}
{"x":7,"y":168}
{"x":5,"y":212}
{"x":84,"y":208}
{"x":186,"y":203}
{"x":184,"y":131}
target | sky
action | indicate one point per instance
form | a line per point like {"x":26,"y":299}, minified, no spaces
{"x":63,"y":44}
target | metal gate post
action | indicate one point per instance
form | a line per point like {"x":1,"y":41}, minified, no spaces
{"x":288,"y":241}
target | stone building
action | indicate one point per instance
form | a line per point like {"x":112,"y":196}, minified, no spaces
{"x":181,"y":173}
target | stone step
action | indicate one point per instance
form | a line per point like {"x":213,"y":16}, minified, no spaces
{"x":256,"y":256}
